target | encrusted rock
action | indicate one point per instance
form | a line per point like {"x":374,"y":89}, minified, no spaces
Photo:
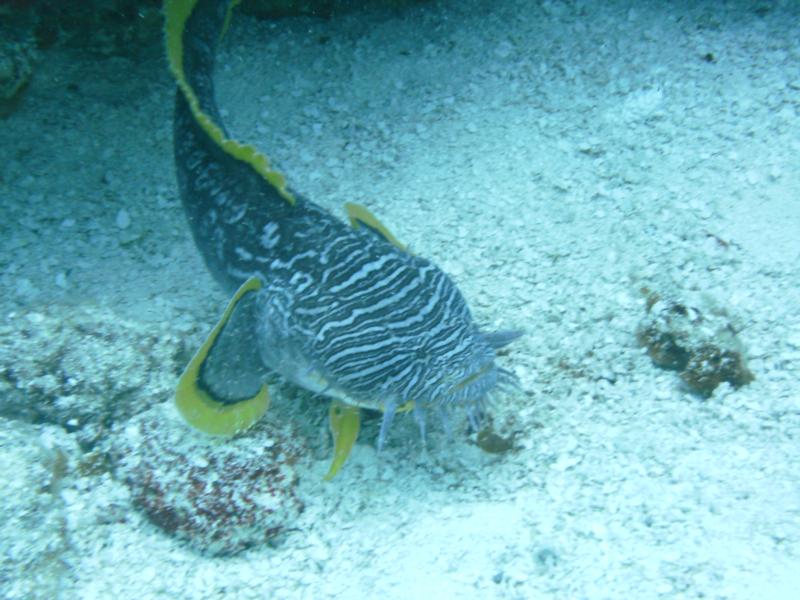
{"x":16,"y":68}
{"x":283,"y":8}
{"x":83,"y":369}
{"x":218,"y":495}
{"x":105,"y":27}
{"x":701,"y":346}
{"x":710,"y":365}
{"x":317,"y":8}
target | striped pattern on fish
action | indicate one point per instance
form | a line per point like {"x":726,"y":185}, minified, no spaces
{"x":341,"y":310}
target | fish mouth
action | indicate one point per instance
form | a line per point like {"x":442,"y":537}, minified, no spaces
{"x":476,"y":390}
{"x":471,"y":388}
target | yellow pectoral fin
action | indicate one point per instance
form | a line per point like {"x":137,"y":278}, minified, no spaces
{"x":201,"y":409}
{"x":360,"y":215}
{"x":344,"y":422}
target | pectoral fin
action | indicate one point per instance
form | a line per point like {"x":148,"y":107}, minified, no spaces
{"x":344,"y":422}
{"x":225,"y":405}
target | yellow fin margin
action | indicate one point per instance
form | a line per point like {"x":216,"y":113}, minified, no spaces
{"x":198,"y":407}
{"x":360,"y":215}
{"x":345,"y":422}
{"x":177,"y":12}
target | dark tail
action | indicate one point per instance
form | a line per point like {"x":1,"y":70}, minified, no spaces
{"x":221,"y":181}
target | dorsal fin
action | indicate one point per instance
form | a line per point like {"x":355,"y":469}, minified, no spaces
{"x":361,"y":216}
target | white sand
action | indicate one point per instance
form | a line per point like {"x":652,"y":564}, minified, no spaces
{"x":554,"y":158}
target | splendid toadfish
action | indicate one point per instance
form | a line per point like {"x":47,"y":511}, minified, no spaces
{"x":342,"y":310}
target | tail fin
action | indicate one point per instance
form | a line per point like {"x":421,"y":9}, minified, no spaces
{"x":222,"y":181}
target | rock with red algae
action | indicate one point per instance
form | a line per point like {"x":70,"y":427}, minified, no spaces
{"x":218,"y":495}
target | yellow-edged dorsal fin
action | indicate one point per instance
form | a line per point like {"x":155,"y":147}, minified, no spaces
{"x":177,"y":12}
{"x":344,"y":421}
{"x":198,"y":407}
{"x":360,"y":215}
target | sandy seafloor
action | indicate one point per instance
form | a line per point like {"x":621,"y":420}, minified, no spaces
{"x":555,"y":158}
